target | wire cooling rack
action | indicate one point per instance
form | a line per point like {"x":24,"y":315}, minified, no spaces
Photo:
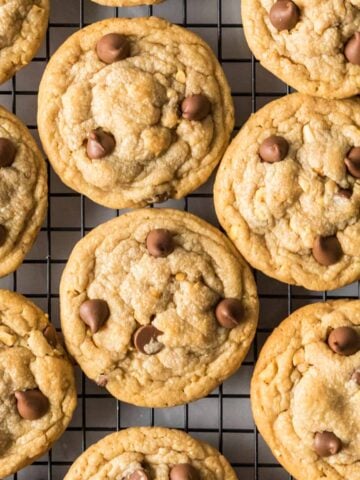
{"x":224,"y":417}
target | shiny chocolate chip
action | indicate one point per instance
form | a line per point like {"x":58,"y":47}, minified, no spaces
{"x":284,"y":15}
{"x":195,"y":107}
{"x":327,"y":444}
{"x":160,"y":243}
{"x":327,"y":250}
{"x":273,"y":149}
{"x":7,"y":152}
{"x":184,"y":471}
{"x":352,"y":162}
{"x":352,"y":49}
{"x":99,"y":144}
{"x":345,"y":193}
{"x":229,"y":312}
{"x":51,"y":335}
{"x":344,"y":341}
{"x":145,"y":340}
{"x":139,"y":475}
{"x":94,"y":313}
{"x":112,"y":48}
{"x":31,"y":404}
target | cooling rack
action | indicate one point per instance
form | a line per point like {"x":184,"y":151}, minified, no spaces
{"x":224,"y":417}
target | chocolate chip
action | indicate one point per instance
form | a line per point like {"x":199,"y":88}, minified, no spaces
{"x":352,"y":162}
{"x":196,"y":107}
{"x":327,"y":444}
{"x":32,"y":404}
{"x":7,"y":152}
{"x":184,"y":471}
{"x":139,"y":475}
{"x":51,"y":335}
{"x":345,"y":192}
{"x":94,"y":313}
{"x":352,"y":49}
{"x":229,"y":312}
{"x":284,"y":15}
{"x":273,"y":149}
{"x":344,"y":341}
{"x":112,"y":48}
{"x":327,"y":250}
{"x":3,"y":235}
{"x":160,"y":243}
{"x":356,"y":376}
{"x":145,"y":340}
{"x":99,"y":144}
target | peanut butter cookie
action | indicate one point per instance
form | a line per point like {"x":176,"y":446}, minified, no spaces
{"x":158,"y":306}
{"x":288,"y":191}
{"x":134,"y":111}
{"x":306,"y":389}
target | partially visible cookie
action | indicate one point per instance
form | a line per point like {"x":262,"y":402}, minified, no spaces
{"x":127,"y":3}
{"x":314,"y":46}
{"x":37,"y":385}
{"x":23,"y":25}
{"x":288,"y":191}
{"x":158,"y":307}
{"x":149,"y":453}
{"x":23,"y":192}
{"x":134,"y":111}
{"x":305,"y":391}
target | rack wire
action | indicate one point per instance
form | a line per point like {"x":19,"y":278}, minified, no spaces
{"x":223,"y":418}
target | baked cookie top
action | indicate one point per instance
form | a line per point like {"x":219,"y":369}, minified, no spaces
{"x":306,"y":389}
{"x":149,"y":453}
{"x":158,"y":306}
{"x":134,"y":111}
{"x":37,"y":386}
{"x":127,"y":3}
{"x":23,"y":193}
{"x":23,"y":25}
{"x":288,"y":191}
{"x":312,"y":45}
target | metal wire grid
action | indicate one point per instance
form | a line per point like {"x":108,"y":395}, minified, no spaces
{"x":240,"y":443}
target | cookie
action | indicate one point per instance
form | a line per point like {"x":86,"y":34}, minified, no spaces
{"x":127,"y":3}
{"x":288,"y":191}
{"x":134,"y":111}
{"x":23,"y":194}
{"x":305,"y":391}
{"x":148,"y":453}
{"x":158,"y":307}
{"x":23,"y":24}
{"x":313,"y":46}
{"x":37,"y":385}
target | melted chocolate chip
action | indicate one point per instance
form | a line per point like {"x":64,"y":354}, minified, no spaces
{"x":327,"y":444}
{"x":345,"y":192}
{"x":94,"y":313}
{"x":352,"y":49}
{"x":145,"y":340}
{"x":284,"y":15}
{"x":51,"y":335}
{"x":3,"y":235}
{"x":352,"y":162}
{"x":273,"y":149}
{"x":327,"y":250}
{"x":196,"y":107}
{"x":160,"y":243}
{"x":7,"y":152}
{"x":344,"y":341}
{"x":112,"y":48}
{"x":229,"y":312}
{"x":32,"y":404}
{"x":100,"y":144}
{"x":139,"y":475}
{"x":184,"y":471}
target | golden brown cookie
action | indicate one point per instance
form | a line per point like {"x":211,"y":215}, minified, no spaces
{"x":23,"y":25}
{"x":306,"y":389}
{"x":158,"y":306}
{"x":288,"y":191}
{"x":134,"y":111}
{"x":37,"y":385}
{"x":23,"y":193}
{"x":147,"y":453}
{"x":312,"y":45}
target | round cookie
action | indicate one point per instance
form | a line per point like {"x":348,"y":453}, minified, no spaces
{"x":158,"y":306}
{"x":127,"y":3}
{"x":37,"y":385}
{"x":134,"y":111}
{"x":147,"y":453}
{"x":288,"y":191}
{"x":23,"y":195}
{"x":23,"y":24}
{"x":305,"y":391}
{"x":314,"y":46}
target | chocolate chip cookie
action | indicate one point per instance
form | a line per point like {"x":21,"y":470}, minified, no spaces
{"x":23,"y":192}
{"x":127,"y":3}
{"x":37,"y":386}
{"x":288,"y":191}
{"x":158,"y":306}
{"x":134,"y":111}
{"x":149,"y":453}
{"x":306,"y":389}
{"x":23,"y":25}
{"x":313,"y":46}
